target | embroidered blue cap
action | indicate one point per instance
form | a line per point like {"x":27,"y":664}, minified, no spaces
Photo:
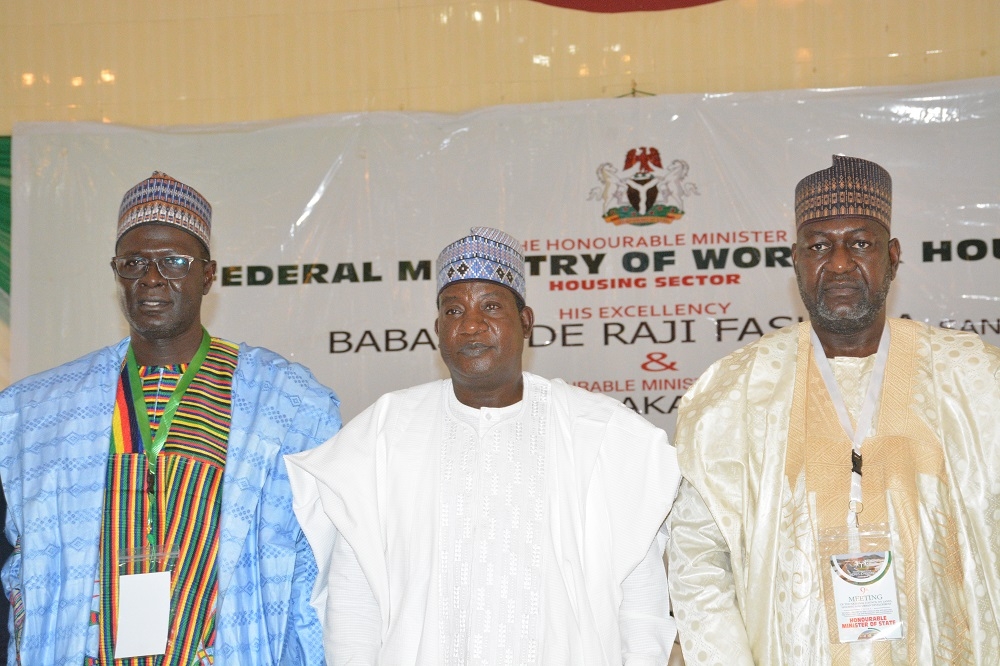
{"x":161,"y":199}
{"x":485,"y":254}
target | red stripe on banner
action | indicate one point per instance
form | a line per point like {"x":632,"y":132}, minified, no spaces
{"x":614,"y":6}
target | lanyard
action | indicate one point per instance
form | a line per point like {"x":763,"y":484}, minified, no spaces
{"x":864,"y":419}
{"x":153,"y":445}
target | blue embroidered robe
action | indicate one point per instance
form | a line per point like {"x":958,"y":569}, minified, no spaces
{"x":54,"y":432}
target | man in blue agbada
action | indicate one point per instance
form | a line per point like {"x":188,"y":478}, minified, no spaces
{"x":148,"y":498}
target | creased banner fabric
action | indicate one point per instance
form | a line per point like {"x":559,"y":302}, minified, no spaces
{"x":658,"y":231}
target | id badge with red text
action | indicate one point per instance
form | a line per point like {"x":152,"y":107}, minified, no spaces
{"x":862,"y":601}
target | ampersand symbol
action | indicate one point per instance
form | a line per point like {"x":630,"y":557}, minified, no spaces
{"x":655,"y":362}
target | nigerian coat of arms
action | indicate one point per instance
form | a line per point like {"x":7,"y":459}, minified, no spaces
{"x":643,"y":192}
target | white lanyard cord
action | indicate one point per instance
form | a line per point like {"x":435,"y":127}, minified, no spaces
{"x":872,"y":398}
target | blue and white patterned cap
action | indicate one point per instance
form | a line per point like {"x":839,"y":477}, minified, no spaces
{"x":161,"y":199}
{"x":485,"y":254}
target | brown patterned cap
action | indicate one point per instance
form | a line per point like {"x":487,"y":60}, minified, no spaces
{"x":161,"y":199}
{"x":852,"y":186}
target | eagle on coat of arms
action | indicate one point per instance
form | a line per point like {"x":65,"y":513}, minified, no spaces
{"x":643,"y":192}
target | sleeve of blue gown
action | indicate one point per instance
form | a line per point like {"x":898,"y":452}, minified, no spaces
{"x":304,"y":634}
{"x":304,"y":637}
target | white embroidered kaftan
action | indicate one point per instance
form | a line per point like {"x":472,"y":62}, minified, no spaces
{"x":520,"y":535}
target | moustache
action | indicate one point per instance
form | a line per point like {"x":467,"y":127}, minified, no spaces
{"x":827,"y":285}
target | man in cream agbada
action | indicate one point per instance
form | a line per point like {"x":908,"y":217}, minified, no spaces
{"x":841,"y":502}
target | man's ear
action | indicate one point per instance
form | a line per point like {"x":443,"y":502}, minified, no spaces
{"x":895,"y":253}
{"x":527,"y":320}
{"x":209,"y":276}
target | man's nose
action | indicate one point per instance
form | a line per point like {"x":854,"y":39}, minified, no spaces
{"x":841,"y":259}
{"x":473,"y":321}
{"x":152,"y":275}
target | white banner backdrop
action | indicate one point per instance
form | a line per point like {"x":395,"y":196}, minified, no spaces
{"x":657,"y":230}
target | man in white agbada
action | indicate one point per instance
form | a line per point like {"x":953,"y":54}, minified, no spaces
{"x":495,"y":517}
{"x":842,"y":476}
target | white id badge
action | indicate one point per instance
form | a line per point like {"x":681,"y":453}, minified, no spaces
{"x":861,"y":599}
{"x":143,"y":614}
{"x":144,"y":599}
{"x":864,"y":593}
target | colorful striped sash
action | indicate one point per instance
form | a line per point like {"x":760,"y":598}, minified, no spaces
{"x":189,"y":470}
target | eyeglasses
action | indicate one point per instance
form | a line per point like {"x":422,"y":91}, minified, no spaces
{"x":174,"y":267}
